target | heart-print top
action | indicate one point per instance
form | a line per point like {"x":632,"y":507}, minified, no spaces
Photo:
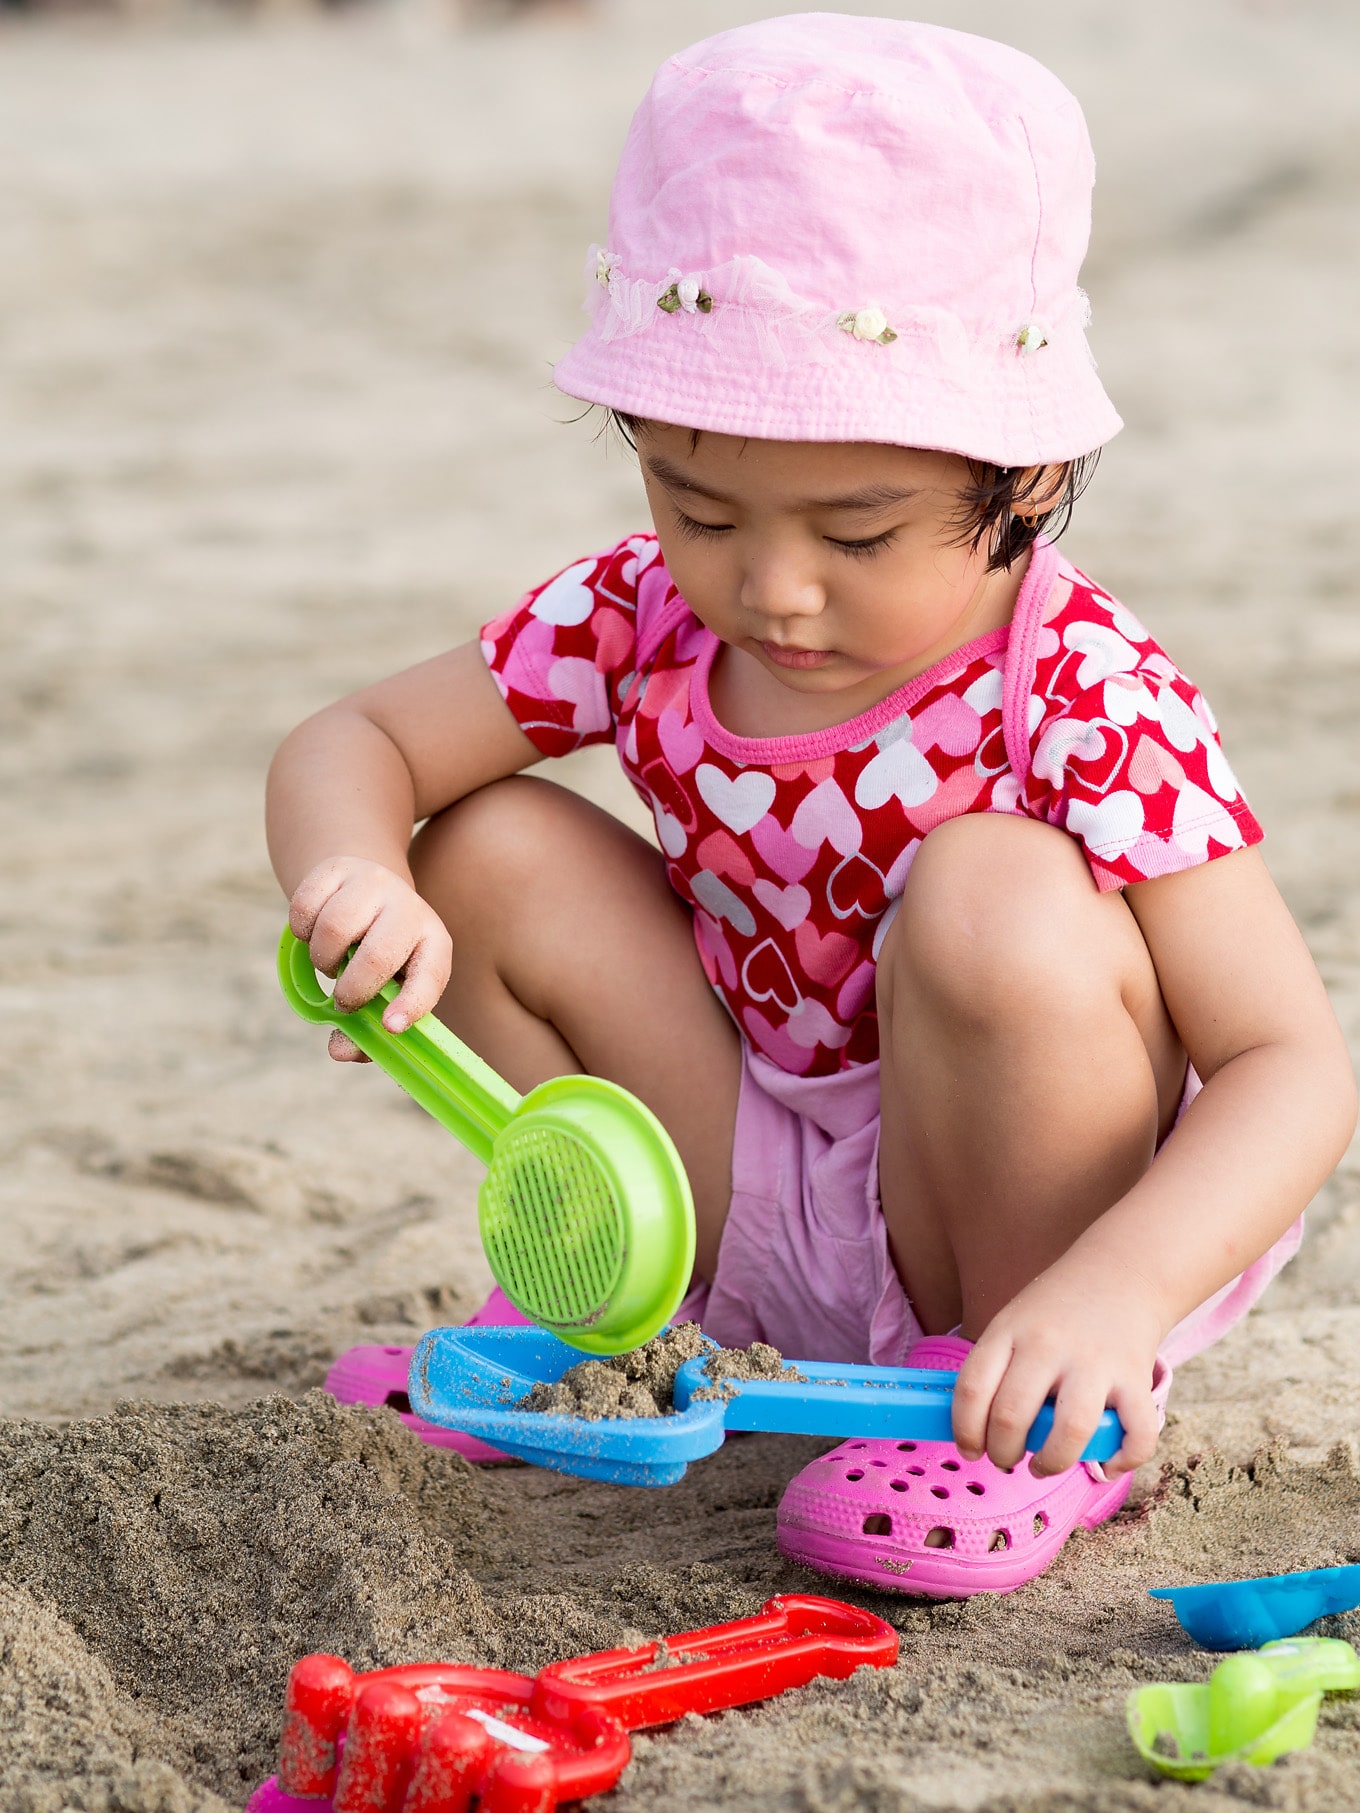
{"x":793,"y":851}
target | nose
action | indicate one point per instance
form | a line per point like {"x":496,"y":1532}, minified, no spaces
{"x":779,"y":588}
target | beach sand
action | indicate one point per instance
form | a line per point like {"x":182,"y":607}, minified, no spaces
{"x":278,"y":303}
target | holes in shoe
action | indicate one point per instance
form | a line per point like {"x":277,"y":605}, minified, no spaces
{"x":975,"y":1488}
{"x":949,"y":1466}
{"x":898,"y":1485}
{"x":855,"y":1473}
{"x":398,"y":1400}
{"x":939,"y":1538}
{"x":917,"y":1472}
{"x":939,"y":1492}
{"x":1000,"y":1539}
{"x":907,"y":1447}
{"x":878,"y":1463}
{"x":1040,"y":1523}
{"x":859,"y":1444}
{"x":393,"y":1352}
{"x":878,"y":1523}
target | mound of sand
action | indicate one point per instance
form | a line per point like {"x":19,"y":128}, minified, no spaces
{"x":164,"y":1567}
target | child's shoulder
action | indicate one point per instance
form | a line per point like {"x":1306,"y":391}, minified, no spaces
{"x":1122,"y":750}
{"x":618,"y":576}
{"x":1090,"y":649}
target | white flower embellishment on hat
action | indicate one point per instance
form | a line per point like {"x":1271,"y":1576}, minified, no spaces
{"x":604,"y":266}
{"x":685,"y":293}
{"x":868,"y":323}
{"x":1031,"y":337}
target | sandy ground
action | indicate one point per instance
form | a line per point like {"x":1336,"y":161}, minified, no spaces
{"x":277,"y":307}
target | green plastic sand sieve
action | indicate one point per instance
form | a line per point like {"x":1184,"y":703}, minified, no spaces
{"x":585,"y":1210}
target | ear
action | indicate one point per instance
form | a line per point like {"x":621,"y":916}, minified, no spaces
{"x":1038,"y":490}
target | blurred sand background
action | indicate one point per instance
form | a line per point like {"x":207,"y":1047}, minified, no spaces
{"x":279,"y":295}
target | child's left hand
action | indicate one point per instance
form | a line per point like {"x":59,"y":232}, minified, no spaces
{"x":1085,"y":1340}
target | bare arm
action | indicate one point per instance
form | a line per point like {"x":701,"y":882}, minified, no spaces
{"x":1277,"y":1110}
{"x":1279,"y":1103}
{"x":347,"y":788}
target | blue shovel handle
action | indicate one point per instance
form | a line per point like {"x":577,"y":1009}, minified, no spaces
{"x":895,"y":1403}
{"x":1103,"y":1445}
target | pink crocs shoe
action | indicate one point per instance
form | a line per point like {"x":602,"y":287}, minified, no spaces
{"x":916,"y":1517}
{"x":377,"y":1375}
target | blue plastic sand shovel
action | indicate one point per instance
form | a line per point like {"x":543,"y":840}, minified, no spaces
{"x":1244,"y":1614}
{"x":471,"y":1379}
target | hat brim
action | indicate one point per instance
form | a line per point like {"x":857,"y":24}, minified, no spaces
{"x":1000,"y":405}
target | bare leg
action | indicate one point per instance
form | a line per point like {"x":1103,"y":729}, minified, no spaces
{"x":572,"y":954}
{"x":1029,"y":1064}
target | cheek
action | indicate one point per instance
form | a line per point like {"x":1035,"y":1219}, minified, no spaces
{"x":700,"y":573}
{"x":907,"y":609}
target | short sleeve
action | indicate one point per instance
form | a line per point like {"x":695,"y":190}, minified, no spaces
{"x":566,"y":654}
{"x":1130,"y":763}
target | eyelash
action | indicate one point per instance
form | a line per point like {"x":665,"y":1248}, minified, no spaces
{"x":858,"y":550}
{"x":865,"y":550}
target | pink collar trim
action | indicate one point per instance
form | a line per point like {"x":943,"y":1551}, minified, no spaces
{"x":814,"y":744}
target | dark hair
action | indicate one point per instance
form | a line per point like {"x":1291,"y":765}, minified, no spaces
{"x":996,"y":506}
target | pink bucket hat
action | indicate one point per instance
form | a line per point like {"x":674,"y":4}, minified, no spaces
{"x":829,"y":228}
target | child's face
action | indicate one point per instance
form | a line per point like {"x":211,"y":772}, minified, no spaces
{"x":836,"y":566}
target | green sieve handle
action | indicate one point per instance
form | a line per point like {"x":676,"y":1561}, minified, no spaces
{"x":432,"y":1066}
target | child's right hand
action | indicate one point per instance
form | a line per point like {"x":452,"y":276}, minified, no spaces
{"x":350,"y":901}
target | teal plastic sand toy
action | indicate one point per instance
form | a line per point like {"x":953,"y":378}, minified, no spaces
{"x":1255,"y":1707}
{"x":1243,"y":1614}
{"x":585,"y":1210}
{"x":474,"y":1379}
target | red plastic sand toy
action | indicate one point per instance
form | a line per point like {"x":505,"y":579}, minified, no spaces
{"x":436,"y":1738}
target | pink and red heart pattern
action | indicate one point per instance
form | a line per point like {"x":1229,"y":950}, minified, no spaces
{"x":792,"y":851}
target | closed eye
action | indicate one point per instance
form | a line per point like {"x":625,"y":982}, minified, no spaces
{"x":864,"y":548}
{"x":699,"y":531}
{"x":693,"y":530}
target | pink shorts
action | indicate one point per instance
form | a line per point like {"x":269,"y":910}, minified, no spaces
{"x":804,"y":1260}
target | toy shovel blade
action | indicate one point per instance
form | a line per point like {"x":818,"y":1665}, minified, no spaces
{"x":473,"y":1378}
{"x":1244,"y":1614}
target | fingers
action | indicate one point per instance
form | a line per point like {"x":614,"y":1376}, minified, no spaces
{"x":424,"y":977}
{"x":1142,"y":1430}
{"x":979,"y":1377}
{"x":1077,"y":1408}
{"x":347,"y":904}
{"x":421,"y":954}
{"x":1029,"y":1379}
{"x":310,"y":897}
{"x":343,"y":1049}
{"x":1000,"y":1392}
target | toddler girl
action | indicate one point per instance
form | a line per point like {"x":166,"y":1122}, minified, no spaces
{"x":956,"y":901}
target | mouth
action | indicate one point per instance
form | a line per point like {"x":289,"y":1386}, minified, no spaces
{"x":798,"y":658}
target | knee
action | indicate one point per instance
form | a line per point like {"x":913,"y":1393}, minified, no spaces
{"x":486,"y":848}
{"x":1000,"y":914}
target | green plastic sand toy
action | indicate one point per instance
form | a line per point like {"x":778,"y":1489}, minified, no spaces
{"x":585,"y":1211}
{"x":1255,"y":1707}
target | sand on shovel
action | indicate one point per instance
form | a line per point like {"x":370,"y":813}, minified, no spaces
{"x":641,"y":1382}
